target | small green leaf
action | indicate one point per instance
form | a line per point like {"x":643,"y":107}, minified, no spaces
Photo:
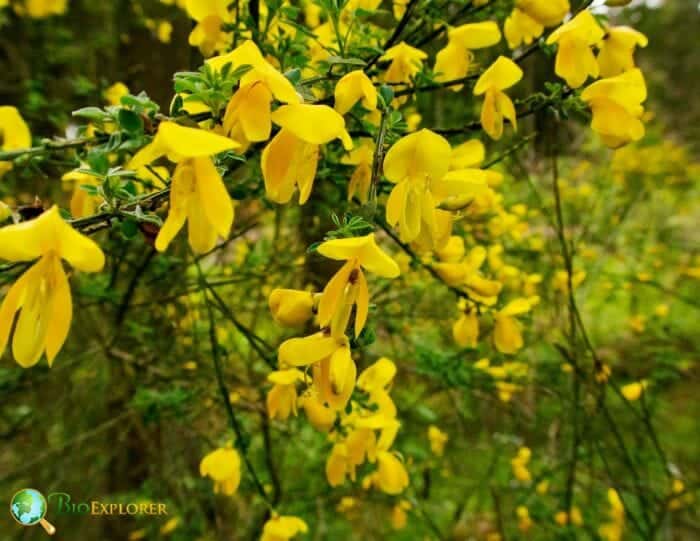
{"x":130,"y":121}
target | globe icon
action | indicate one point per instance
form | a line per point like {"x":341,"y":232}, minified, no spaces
{"x":28,"y":507}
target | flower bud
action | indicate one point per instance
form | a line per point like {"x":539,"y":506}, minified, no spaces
{"x":291,"y":307}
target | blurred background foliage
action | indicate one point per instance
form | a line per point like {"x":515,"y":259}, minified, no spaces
{"x":131,"y":406}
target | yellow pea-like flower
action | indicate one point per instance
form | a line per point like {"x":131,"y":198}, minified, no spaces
{"x":406,"y":61}
{"x":362,"y":157}
{"x":290,"y":159}
{"x":529,"y":18}
{"x":507,"y":334}
{"x":197,"y":192}
{"x":353,"y":87}
{"x":282,"y":528}
{"x":392,"y":477}
{"x":14,"y":133}
{"x":42,"y":294}
{"x":291,"y":307}
{"x":348,"y":286}
{"x":501,"y":75}
{"x":223,"y":466}
{"x":248,"y":115}
{"x":575,"y":60}
{"x":616,"y":103}
{"x":616,"y":53}
{"x":210,"y":16}
{"x":437,"y":439}
{"x":282,"y":398}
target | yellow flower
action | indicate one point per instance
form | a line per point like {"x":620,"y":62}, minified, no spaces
{"x":560,"y":282}
{"x":113,"y":95}
{"x":378,"y":376}
{"x":418,"y":164}
{"x":616,"y":104}
{"x":353,"y":87}
{"x":210,"y":16}
{"x":453,"y":61}
{"x":170,"y":526}
{"x":507,"y":334}
{"x":82,"y":203}
{"x":465,"y":330}
{"x":282,"y":528}
{"x":291,"y":307}
{"x":437,"y":439}
{"x":519,"y":465}
{"x":291,"y":158}
{"x":197,"y":192}
{"x":334,"y":371}
{"x":42,"y":8}
{"x":320,"y":417}
{"x":348,"y":286}
{"x":391,"y":476}
{"x":616,"y":53}
{"x":406,"y":61}
{"x":42,"y":293}
{"x":399,"y":8}
{"x":524,"y":520}
{"x":223,"y":466}
{"x":467,"y":155}
{"x":282,"y":398}
{"x":633,"y":391}
{"x":14,"y":133}
{"x":502,"y":74}
{"x":164,"y":30}
{"x":248,"y":114}
{"x":399,"y":516}
{"x":612,"y":531}
{"x":362,"y":156}
{"x":575,"y":61}
{"x":528,"y":19}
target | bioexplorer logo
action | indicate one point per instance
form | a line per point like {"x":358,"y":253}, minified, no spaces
{"x":29,"y":507}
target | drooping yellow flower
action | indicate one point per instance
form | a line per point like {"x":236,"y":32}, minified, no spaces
{"x":507,"y":335}
{"x":291,"y":307}
{"x":454,"y":60}
{"x":334,"y":371}
{"x":437,"y":439}
{"x":248,"y":113}
{"x":354,"y":87}
{"x":406,"y":61}
{"x":82,"y":203}
{"x":210,"y":15}
{"x":465,"y":330}
{"x":575,"y":60}
{"x":467,"y":155}
{"x":223,"y":466}
{"x":42,"y":293}
{"x":399,"y":517}
{"x":282,"y":398}
{"x":613,"y":530}
{"x":616,"y":53}
{"x":362,"y":156}
{"x":527,"y":21}
{"x":399,"y":8}
{"x":113,"y":95}
{"x":502,"y":74}
{"x":14,"y":133}
{"x":616,"y":104}
{"x":197,"y":192}
{"x":377,"y":376}
{"x":320,"y":416}
{"x":418,"y":164}
{"x":633,"y":391}
{"x":391,"y":476}
{"x":291,"y":158}
{"x":519,"y":465}
{"x":282,"y":528}
{"x":41,"y":8}
{"x":524,"y":520}
{"x":348,"y":286}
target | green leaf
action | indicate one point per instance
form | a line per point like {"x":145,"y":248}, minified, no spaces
{"x":350,"y":61}
{"x":130,"y":121}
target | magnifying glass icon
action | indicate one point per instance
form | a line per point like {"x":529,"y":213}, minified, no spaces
{"x":28,"y":507}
